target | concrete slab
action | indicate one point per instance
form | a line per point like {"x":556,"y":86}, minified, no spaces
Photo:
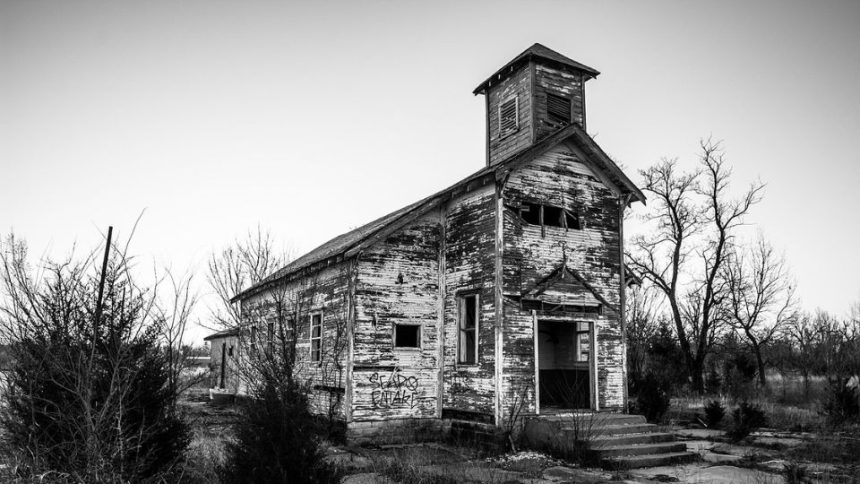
{"x":570,"y":474}
{"x":699,"y":445}
{"x":367,"y":478}
{"x":722,"y":474}
{"x":698,"y":433}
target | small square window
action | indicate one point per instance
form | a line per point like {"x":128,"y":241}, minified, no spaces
{"x":407,"y":336}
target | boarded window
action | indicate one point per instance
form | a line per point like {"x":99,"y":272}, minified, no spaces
{"x":467,"y":346}
{"x":316,"y":337}
{"x":508,"y":117}
{"x":558,"y":109}
{"x":407,"y":336}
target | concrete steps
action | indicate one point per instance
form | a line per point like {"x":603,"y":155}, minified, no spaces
{"x":615,"y":441}
{"x":651,"y":460}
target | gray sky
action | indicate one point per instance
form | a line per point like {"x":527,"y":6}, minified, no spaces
{"x":311,"y":118}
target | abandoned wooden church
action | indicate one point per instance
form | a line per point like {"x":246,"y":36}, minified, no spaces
{"x":504,"y":290}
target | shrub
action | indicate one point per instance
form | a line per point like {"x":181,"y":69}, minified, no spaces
{"x":841,"y":402}
{"x":277,"y":439}
{"x":653,"y":399}
{"x":746,"y":419}
{"x":88,"y":395}
{"x":714,"y":413}
{"x":795,"y":473}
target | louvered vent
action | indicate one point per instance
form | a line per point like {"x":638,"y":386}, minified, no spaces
{"x":508,"y":122}
{"x":558,"y":110}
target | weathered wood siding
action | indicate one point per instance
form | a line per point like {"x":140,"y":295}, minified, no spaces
{"x":231,"y":378}
{"x":470,"y":267}
{"x":517,"y":85}
{"x":560,"y":178}
{"x":561,"y":83}
{"x":398,"y":283}
{"x":326,"y":291}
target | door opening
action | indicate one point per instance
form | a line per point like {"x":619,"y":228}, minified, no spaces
{"x":564,"y":364}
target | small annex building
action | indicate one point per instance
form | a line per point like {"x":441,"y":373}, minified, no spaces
{"x":223,"y":360}
{"x":503,"y":290}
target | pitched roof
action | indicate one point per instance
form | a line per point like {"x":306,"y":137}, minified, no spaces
{"x":536,"y":51}
{"x":226,"y":333}
{"x":349,"y":243}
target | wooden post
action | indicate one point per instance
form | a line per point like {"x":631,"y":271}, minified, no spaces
{"x":223,"y":362}
{"x":102,"y":285}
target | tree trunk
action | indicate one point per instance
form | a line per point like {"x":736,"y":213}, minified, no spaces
{"x":762,"y":378}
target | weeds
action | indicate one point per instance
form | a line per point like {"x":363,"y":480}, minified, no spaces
{"x":795,"y":473}
{"x":747,"y":418}
{"x":842,"y":402}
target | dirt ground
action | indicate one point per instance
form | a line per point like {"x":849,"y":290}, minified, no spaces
{"x":767,"y":457}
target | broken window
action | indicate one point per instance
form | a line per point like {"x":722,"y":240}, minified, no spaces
{"x":316,"y":337}
{"x":467,"y":343}
{"x":583,"y":342}
{"x":553,"y":216}
{"x":407,"y":336}
{"x":508,"y":117}
{"x":548,"y":216}
{"x":557,"y":110}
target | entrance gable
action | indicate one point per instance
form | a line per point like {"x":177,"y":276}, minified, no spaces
{"x":564,"y":286}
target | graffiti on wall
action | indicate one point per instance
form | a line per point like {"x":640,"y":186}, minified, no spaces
{"x":394,"y":391}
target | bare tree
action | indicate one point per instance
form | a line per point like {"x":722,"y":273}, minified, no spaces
{"x":642,"y":326}
{"x":695,"y":222}
{"x":238,"y":267}
{"x":760,"y":297}
{"x":173,"y":314}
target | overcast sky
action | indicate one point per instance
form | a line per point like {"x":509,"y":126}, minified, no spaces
{"x":311,"y":118}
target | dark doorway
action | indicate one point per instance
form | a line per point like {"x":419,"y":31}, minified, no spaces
{"x":564,"y":364}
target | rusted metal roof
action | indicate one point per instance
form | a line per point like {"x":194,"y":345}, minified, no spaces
{"x":536,"y":51}
{"x":348,"y":244}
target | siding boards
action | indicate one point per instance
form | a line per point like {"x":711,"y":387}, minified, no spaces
{"x":559,"y":177}
{"x":518,"y":85}
{"x":397,"y":283}
{"x":566,"y":84}
{"x":470,"y":266}
{"x":326,"y":291}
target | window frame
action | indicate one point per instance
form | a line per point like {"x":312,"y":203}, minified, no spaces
{"x":507,"y":131}
{"x":312,"y":338}
{"x":550,"y":114}
{"x":420,"y":330}
{"x":270,"y":337}
{"x":526,"y":206}
{"x":461,"y":319}
{"x":253,"y":339}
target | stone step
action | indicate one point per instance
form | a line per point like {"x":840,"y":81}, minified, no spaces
{"x":630,"y":439}
{"x":653,"y":460}
{"x":604,"y":430}
{"x":596,"y":419}
{"x":640,"y":449}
